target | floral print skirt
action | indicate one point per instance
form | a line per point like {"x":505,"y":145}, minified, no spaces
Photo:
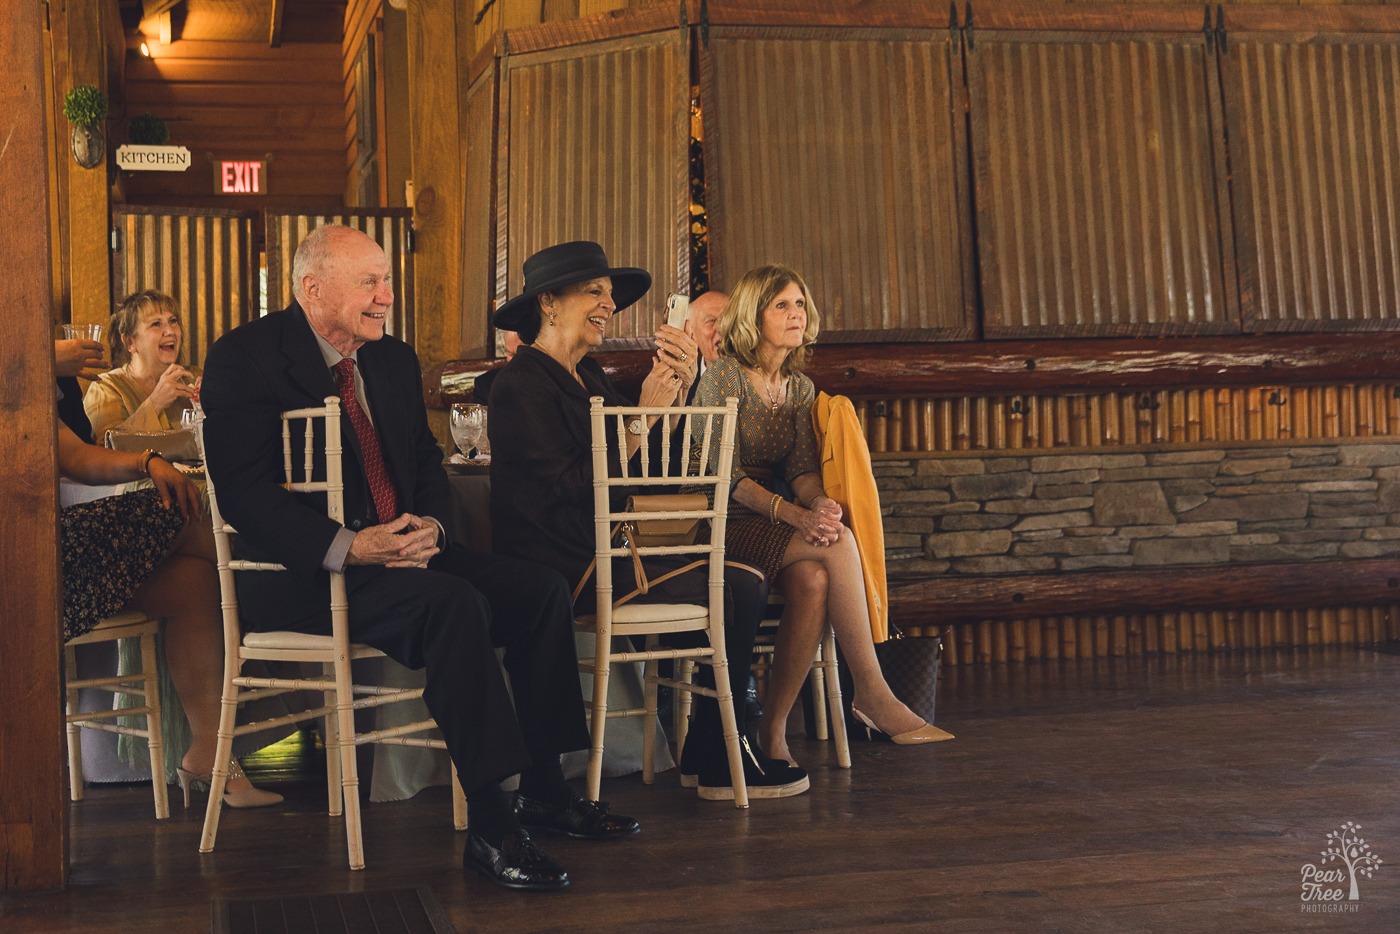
{"x":110,"y":546}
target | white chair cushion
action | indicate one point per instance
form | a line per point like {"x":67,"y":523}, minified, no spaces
{"x":658,"y":613}
{"x":285,"y":639}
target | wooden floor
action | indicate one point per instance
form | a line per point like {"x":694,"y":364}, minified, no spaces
{"x":1172,"y":795}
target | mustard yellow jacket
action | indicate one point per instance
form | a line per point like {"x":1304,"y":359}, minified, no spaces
{"x":849,"y":479}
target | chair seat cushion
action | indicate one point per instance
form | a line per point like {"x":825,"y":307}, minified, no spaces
{"x":287,"y":639}
{"x":653,"y":617}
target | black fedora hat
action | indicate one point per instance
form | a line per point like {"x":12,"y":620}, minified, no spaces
{"x":564,"y":264}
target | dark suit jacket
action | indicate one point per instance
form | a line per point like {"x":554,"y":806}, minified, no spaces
{"x":257,"y":371}
{"x":542,"y":461}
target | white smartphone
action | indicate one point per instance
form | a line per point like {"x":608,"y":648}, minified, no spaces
{"x":677,"y":307}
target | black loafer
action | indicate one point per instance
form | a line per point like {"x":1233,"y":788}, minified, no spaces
{"x":518,"y":864}
{"x":580,"y":818}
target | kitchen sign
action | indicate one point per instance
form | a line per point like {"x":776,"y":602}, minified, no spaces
{"x":240,"y":178}
{"x":153,"y":158}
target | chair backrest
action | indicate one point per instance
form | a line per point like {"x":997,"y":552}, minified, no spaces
{"x":707,"y":469}
{"x":298,"y":475}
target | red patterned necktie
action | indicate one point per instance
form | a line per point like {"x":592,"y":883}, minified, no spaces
{"x":381,"y":487}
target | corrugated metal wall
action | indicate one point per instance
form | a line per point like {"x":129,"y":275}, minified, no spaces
{"x":839,"y":153}
{"x":595,"y":146}
{"x":1315,"y":144}
{"x":204,"y":259}
{"x":389,"y":227}
{"x":1097,"y":196}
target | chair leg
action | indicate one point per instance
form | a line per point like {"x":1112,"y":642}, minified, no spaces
{"x":332,"y":744}
{"x":72,"y":707}
{"x":649,"y":726}
{"x":155,"y":741}
{"x":602,"y":666}
{"x":818,"y":679}
{"x":729,"y":725}
{"x":349,"y":770}
{"x":228,"y":717}
{"x":833,"y":696}
{"x":459,"y":802}
{"x":680,"y":708}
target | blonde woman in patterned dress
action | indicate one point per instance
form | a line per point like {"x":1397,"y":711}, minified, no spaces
{"x":781,"y":520}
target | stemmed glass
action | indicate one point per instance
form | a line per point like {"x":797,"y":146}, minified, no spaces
{"x":468,"y":424}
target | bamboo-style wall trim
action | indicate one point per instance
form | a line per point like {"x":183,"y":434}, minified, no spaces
{"x":1069,"y":637}
{"x":1127,"y":418}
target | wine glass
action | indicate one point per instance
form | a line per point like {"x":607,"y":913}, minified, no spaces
{"x":468,"y":423}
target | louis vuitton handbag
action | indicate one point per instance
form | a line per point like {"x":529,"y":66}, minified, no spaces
{"x":910,"y":666}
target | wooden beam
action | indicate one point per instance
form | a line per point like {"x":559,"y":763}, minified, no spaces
{"x":274,"y":34}
{"x":945,"y":599}
{"x":80,"y":57}
{"x":33,"y":843}
{"x":1053,"y":366}
{"x":434,"y":56}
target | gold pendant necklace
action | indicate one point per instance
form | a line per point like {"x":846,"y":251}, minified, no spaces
{"x":775,"y":399}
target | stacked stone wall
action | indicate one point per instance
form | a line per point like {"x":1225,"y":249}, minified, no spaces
{"x":1038,"y":514}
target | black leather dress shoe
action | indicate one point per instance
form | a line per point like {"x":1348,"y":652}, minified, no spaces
{"x":518,"y":864}
{"x":581,"y":818}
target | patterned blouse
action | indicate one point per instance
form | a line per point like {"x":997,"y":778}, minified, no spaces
{"x":770,"y":446}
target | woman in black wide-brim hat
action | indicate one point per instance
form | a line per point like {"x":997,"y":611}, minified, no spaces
{"x":542,"y":470}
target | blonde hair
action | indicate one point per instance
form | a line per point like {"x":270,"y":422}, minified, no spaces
{"x":741,"y":326}
{"x":129,"y":315}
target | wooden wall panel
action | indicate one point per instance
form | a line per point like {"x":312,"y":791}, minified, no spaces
{"x":244,"y":100}
{"x":33,"y":809}
{"x":389,"y":227}
{"x":839,"y":152}
{"x":595,"y":146}
{"x":205,"y":259}
{"x":1098,"y":193}
{"x":1315,"y":145}
{"x":478,"y":233}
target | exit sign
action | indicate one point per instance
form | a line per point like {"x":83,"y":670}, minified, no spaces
{"x":240,"y":178}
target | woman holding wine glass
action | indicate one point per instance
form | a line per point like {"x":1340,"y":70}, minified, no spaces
{"x":147,"y":389}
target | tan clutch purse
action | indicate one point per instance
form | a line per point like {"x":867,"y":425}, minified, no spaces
{"x":667,"y":531}
{"x":177,"y":444}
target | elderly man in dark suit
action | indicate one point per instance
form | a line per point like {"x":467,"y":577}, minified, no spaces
{"x":422,"y":600}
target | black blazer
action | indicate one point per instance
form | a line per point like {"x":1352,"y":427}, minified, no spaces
{"x":257,"y":371}
{"x":542,"y":460}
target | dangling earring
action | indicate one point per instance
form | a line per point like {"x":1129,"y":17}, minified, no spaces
{"x":553,"y":319}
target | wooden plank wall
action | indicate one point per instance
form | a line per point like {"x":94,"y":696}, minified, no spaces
{"x":244,"y":100}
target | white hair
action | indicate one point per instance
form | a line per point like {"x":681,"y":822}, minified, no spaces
{"x":312,"y":255}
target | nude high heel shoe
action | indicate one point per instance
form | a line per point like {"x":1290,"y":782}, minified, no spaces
{"x":928,"y":733}
{"x":252,"y":798}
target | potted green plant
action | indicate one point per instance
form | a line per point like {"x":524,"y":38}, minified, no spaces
{"x":86,"y":107}
{"x":147,"y":130}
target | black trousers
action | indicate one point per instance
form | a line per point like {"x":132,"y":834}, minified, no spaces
{"x":449,"y":619}
{"x":745,"y":596}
